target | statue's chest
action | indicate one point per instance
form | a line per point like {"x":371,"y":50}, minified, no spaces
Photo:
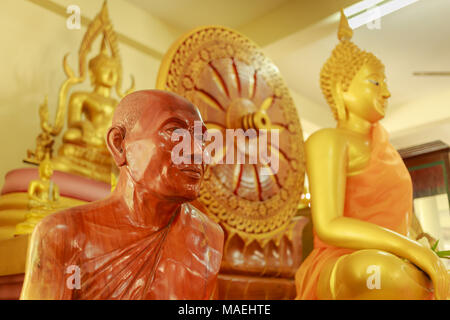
{"x":172,"y":266}
{"x":358,"y":153}
{"x":184,"y":271}
{"x":100,"y":106}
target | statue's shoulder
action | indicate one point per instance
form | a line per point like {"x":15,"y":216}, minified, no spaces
{"x":63,"y":226}
{"x":212,"y":230}
{"x":79,"y":95}
{"x":325,"y":137}
{"x":50,"y":239}
{"x":52,"y":226}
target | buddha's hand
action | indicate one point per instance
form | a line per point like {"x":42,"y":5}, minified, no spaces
{"x":87,"y":129}
{"x":426,"y":240}
{"x":436,"y":270}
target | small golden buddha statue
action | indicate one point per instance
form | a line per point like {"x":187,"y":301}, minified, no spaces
{"x":361,"y":194}
{"x":44,"y":141}
{"x":43,"y":197}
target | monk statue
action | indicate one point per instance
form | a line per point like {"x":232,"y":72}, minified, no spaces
{"x":361,"y":194}
{"x":145,"y":241}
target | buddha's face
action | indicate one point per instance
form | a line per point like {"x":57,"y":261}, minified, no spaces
{"x":367,"y":94}
{"x":104,"y":71}
{"x":149,"y":149}
{"x":45,"y":170}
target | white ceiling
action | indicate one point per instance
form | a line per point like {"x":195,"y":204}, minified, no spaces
{"x":414,"y":38}
{"x":187,"y":14}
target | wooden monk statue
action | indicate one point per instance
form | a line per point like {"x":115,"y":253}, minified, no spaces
{"x":144,"y":241}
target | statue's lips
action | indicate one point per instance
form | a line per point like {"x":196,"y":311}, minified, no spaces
{"x":381,"y":106}
{"x":192,"y":171}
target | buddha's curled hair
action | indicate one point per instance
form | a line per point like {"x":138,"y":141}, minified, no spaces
{"x":343,"y":64}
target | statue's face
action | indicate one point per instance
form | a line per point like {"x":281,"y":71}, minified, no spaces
{"x":45,"y":169}
{"x":367,"y":94}
{"x":105,"y":71}
{"x":149,"y":148}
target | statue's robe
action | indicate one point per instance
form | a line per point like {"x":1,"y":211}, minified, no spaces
{"x":117,"y":259}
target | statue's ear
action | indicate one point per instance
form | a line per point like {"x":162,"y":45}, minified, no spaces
{"x":338,"y":97}
{"x":115,"y":142}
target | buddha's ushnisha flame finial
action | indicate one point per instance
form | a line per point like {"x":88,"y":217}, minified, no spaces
{"x":103,"y":48}
{"x":343,"y":64}
{"x":344,"y":31}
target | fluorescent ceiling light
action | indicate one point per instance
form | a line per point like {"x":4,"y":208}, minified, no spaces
{"x":360,"y":6}
{"x":365,"y":16}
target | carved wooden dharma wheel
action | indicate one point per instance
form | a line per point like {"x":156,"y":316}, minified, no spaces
{"x":236,"y":87}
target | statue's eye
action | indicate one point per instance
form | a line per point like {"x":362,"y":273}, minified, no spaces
{"x":375,"y":82}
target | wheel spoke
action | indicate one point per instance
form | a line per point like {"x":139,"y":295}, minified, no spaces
{"x":236,"y":74}
{"x":209,"y":99}
{"x":258,"y":182}
{"x":267,"y":103}
{"x":219,"y":80}
{"x":252,"y":83}
{"x":237,"y":177}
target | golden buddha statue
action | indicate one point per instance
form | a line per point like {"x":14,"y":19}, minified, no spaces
{"x":82,"y":153}
{"x":43,"y":192}
{"x":45,"y":140}
{"x":97,"y":106}
{"x":89,"y":114}
{"x":43,"y":197}
{"x":361,"y":194}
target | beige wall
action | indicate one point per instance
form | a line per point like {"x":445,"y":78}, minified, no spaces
{"x":35,"y":39}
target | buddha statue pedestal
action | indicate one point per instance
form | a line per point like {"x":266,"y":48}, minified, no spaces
{"x":264,"y":272}
{"x":14,"y":207}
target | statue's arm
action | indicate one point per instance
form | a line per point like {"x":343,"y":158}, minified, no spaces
{"x":32,"y":190}
{"x":44,"y":274}
{"x":75,"y":110}
{"x":55,"y":192}
{"x":326,"y":153}
{"x":216,"y":235}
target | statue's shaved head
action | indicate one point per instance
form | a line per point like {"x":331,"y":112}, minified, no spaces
{"x":132,"y":106}
{"x":141,"y":143}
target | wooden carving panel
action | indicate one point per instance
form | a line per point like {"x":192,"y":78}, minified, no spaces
{"x":228,"y":77}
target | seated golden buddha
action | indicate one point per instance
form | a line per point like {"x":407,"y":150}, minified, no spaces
{"x":89,"y":116}
{"x":43,"y":192}
{"x":361,"y":195}
{"x":43,"y":197}
{"x":82,"y":152}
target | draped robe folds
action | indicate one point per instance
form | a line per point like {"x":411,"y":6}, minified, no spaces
{"x":381,"y":194}
{"x":115,"y":261}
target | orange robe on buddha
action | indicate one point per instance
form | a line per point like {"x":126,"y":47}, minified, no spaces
{"x":381,"y":194}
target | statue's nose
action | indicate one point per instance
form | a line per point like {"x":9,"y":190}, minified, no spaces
{"x":197,"y":149}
